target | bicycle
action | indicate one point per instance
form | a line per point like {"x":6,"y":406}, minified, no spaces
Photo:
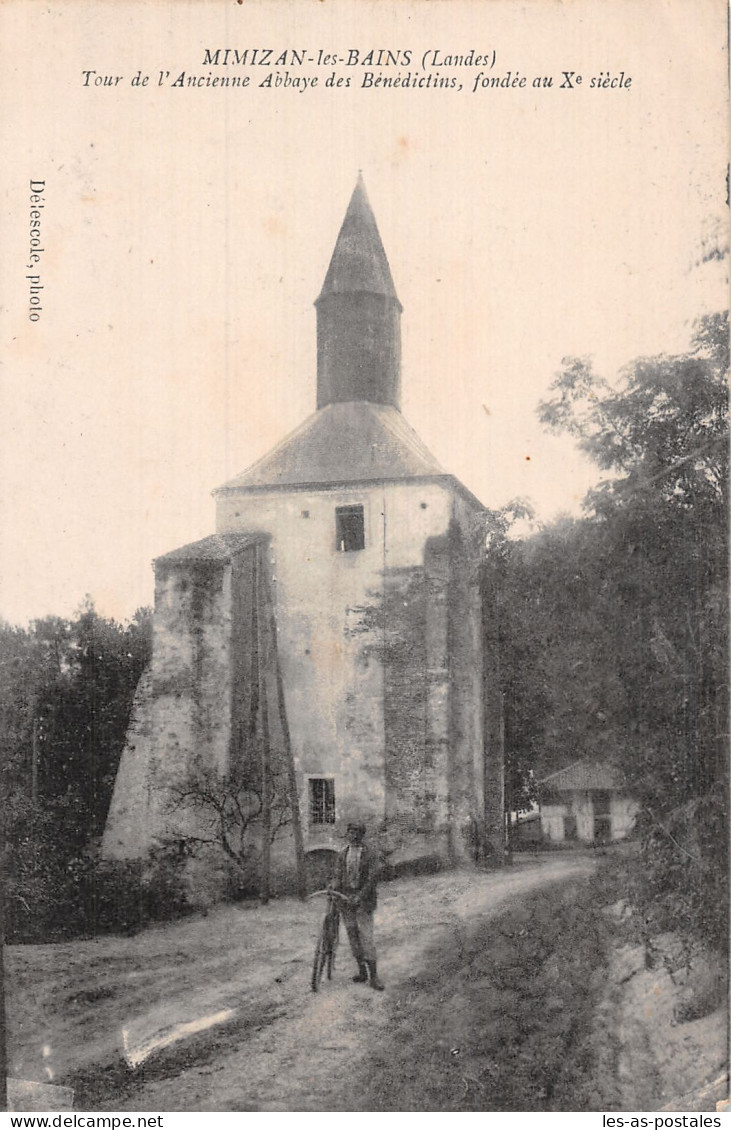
{"x":327,"y":942}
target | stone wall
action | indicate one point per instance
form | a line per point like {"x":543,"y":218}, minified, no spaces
{"x":192,"y":665}
{"x":332,"y":697}
{"x":184,"y":707}
{"x":126,"y":834}
{"x":372,"y":645}
{"x":380,"y":657}
{"x":623,"y":813}
{"x":469,"y":757}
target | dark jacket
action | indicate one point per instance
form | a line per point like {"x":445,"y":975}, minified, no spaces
{"x":367,"y":878}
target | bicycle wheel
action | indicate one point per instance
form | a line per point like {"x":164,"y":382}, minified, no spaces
{"x":319,"y":963}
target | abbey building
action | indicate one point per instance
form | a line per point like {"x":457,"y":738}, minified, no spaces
{"x":328,"y":635}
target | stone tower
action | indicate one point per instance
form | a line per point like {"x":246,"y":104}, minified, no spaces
{"x":369,"y":551}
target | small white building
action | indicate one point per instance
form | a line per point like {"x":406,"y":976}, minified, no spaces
{"x":587,"y":802}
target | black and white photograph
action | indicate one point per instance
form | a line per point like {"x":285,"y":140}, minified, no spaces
{"x":364,"y":558}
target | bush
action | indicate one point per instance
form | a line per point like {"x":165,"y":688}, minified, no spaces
{"x":681,"y":885}
{"x":89,"y":896}
{"x":127,"y":894}
{"x":116,"y":900}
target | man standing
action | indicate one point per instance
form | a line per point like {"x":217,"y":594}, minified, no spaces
{"x":356,"y":876}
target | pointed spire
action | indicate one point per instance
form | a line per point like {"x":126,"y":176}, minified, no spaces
{"x":358,"y":312}
{"x":359,"y":263}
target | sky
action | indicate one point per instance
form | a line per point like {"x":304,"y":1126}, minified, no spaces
{"x":186,"y":233}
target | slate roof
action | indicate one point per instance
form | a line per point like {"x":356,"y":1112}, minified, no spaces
{"x":358,"y":264}
{"x":583,"y":775}
{"x":217,"y":547}
{"x":349,"y":442}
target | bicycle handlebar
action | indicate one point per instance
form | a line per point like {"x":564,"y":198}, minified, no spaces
{"x":328,"y":891}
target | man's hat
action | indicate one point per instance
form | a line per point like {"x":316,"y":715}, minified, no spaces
{"x":357,"y":826}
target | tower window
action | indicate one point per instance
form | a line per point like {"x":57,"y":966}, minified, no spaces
{"x":349,"y":529}
{"x":322,"y":800}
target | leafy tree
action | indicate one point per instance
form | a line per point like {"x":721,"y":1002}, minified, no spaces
{"x":516,"y":706}
{"x":658,"y":524}
{"x":90,"y":669}
{"x":66,"y":689}
{"x":651,"y":606}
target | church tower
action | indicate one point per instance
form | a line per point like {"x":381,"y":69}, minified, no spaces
{"x":368,"y":548}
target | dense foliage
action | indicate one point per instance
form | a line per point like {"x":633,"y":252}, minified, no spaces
{"x":615,"y":625}
{"x":66,"y":690}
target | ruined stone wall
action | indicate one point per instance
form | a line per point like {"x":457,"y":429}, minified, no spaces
{"x":192,"y":665}
{"x":466,"y":686}
{"x":244,"y":670}
{"x":416,"y":701}
{"x":183,"y":709}
{"x":494,"y":738}
{"x":404,"y":657}
{"x":126,"y":834}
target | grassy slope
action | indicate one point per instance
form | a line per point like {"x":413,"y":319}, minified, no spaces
{"x":505,"y":1020}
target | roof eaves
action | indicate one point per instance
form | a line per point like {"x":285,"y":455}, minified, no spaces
{"x":560,"y":772}
{"x":360,"y":290}
{"x":340,"y":484}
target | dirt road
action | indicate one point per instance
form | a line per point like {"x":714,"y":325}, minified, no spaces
{"x":508,"y":990}
{"x":295,"y":1051}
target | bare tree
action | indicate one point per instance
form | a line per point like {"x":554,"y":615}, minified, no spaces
{"x":226,"y":812}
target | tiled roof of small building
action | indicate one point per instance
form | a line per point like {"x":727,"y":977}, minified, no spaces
{"x":217,"y":547}
{"x":583,"y":775}
{"x":354,"y":441}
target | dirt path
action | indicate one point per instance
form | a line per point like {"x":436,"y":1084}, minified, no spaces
{"x":505,"y":991}
{"x":298,"y":1051}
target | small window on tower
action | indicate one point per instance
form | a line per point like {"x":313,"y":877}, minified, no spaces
{"x":349,"y":529}
{"x":322,"y":800}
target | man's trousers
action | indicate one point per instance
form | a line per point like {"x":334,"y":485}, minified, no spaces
{"x":359,"y":924}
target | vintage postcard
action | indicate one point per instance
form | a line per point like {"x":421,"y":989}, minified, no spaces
{"x":363,"y":654}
